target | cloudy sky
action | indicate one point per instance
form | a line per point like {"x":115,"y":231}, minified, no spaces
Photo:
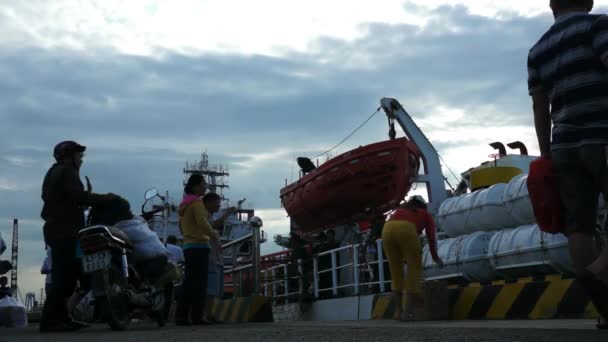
{"x":150,"y":84}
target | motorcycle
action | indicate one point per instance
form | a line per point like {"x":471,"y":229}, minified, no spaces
{"x":122,"y":290}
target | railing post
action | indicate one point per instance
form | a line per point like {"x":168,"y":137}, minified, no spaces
{"x":234,"y":265}
{"x":301,"y":278}
{"x":334,"y":274}
{"x":265,"y":283}
{"x":380,"y":265}
{"x":256,"y":260}
{"x":286,"y":277}
{"x":240,"y":283}
{"x":356,"y":269}
{"x":315,"y":271}
{"x":274,"y":282}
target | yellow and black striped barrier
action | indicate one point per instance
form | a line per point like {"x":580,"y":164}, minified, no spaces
{"x":243,"y":310}
{"x":548,"y":297}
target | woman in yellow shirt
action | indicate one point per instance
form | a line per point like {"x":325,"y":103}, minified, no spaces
{"x":195,"y":227}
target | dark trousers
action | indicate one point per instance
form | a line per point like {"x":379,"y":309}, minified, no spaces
{"x":168,"y":300}
{"x":194,"y":288}
{"x":64,"y":273}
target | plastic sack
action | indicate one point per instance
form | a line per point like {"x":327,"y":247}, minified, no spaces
{"x":12,"y":313}
{"x":146,"y":244}
{"x":544,"y":195}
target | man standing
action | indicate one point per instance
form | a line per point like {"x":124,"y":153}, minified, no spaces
{"x":568,"y":82}
{"x":64,"y":199}
{"x":215,"y":279}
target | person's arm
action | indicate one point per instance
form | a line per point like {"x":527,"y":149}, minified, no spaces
{"x":217,"y":224}
{"x":542,"y":121}
{"x":541,"y":107}
{"x":201,"y":218}
{"x":599,"y":32}
{"x":429,"y":228}
{"x":75,"y":190}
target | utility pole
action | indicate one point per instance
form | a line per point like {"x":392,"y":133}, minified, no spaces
{"x":15,"y":255}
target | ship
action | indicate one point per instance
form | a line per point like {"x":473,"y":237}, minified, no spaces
{"x":487,"y":234}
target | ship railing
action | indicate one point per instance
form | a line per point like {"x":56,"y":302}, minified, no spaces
{"x":250,"y":268}
{"x":358,"y":268}
{"x":277,"y":280}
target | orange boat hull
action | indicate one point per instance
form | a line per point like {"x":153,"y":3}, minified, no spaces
{"x":345,"y":188}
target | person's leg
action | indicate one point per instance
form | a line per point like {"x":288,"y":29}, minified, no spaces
{"x":63,"y":284}
{"x":598,"y":167}
{"x":208,"y":315}
{"x":74,"y":300}
{"x":390,"y":244}
{"x":580,"y":172}
{"x":412,"y":251}
{"x":168,"y":300}
{"x":199,"y":285}
{"x":212,"y":290}
{"x":184,"y":301}
{"x":221,"y":281}
{"x":581,"y":250}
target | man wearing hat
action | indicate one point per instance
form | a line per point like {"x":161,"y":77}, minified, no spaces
{"x":65,"y":199}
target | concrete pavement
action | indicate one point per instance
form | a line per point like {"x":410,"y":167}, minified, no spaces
{"x":333,"y":331}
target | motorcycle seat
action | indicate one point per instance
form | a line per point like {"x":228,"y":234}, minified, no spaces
{"x":115,"y":235}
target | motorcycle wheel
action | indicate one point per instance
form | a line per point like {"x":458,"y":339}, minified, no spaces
{"x":115,"y":305}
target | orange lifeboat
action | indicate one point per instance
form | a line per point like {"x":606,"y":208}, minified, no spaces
{"x":342,"y":190}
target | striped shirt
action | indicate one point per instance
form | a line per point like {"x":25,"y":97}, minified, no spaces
{"x":566,"y":64}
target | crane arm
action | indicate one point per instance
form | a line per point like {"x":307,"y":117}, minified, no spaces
{"x":432,"y":177}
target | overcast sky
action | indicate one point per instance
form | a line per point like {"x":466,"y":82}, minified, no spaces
{"x":147,"y":85}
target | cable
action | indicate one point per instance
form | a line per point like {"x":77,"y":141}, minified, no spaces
{"x":363,"y":124}
{"x":447,"y":167}
{"x":350,"y":135}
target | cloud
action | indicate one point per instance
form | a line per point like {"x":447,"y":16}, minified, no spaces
{"x":276,"y":222}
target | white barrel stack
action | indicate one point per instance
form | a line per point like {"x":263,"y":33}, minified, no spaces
{"x":492,"y":235}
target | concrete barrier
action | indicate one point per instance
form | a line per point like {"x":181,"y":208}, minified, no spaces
{"x":546,"y":297}
{"x":243,"y":310}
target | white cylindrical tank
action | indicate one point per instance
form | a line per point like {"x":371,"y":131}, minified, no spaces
{"x":526,"y":251}
{"x":464,"y":257}
{"x":482,"y":210}
{"x":517,"y":201}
